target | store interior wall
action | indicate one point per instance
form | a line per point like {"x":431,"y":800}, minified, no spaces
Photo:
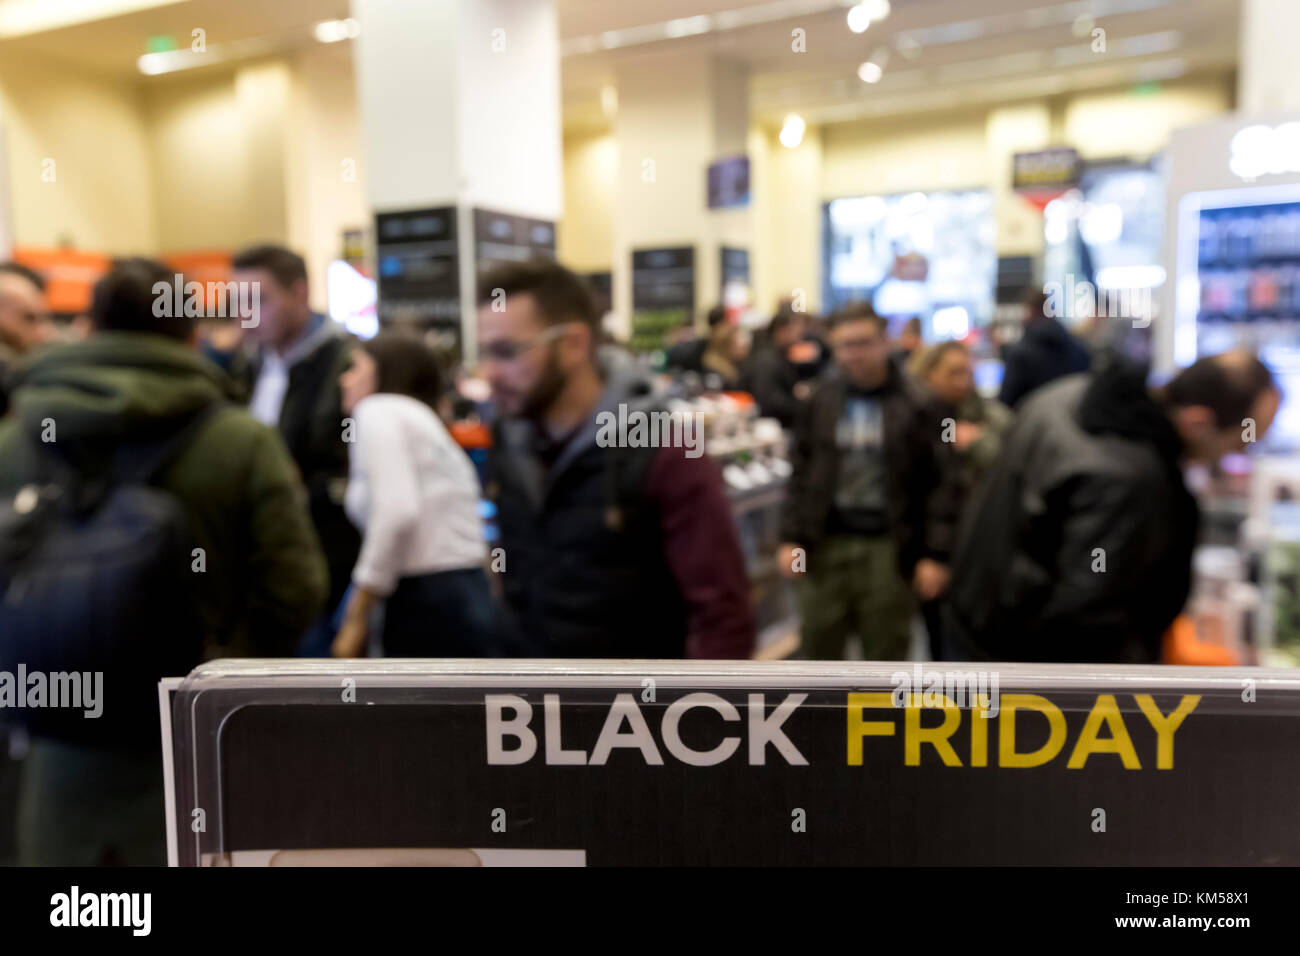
{"x":287,"y":167}
{"x":787,"y":193}
{"x":1099,"y":125}
{"x":664,"y":133}
{"x":214,"y":160}
{"x":198,"y":162}
{"x":80,"y":165}
{"x":327,"y":180}
{"x":934,"y":151}
{"x":585,"y":235}
{"x":204,"y":162}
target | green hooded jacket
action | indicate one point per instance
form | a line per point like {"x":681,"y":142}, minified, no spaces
{"x":265,"y":578}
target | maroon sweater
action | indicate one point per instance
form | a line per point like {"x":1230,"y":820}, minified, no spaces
{"x":703,"y":551}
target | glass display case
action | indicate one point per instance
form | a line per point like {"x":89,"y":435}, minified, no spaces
{"x":1239,"y":285}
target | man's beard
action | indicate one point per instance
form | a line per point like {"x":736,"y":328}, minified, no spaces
{"x":538,"y":399}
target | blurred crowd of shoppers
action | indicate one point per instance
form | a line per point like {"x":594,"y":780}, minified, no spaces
{"x":326,"y":509}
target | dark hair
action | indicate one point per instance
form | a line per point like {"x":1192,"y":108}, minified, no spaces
{"x":857,"y":312}
{"x":780,"y":322}
{"x":1227,"y":384}
{"x":285,"y":266}
{"x":18,"y":269}
{"x":913,"y":325}
{"x":561,"y":295}
{"x":124,"y":300}
{"x":1035,"y":302}
{"x":405,"y":366}
{"x":717,"y":315}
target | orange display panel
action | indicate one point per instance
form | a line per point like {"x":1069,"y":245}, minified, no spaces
{"x":70,"y":275}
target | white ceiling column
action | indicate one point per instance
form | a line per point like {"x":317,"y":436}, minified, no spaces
{"x":460,"y":106}
{"x":1266,"y":78}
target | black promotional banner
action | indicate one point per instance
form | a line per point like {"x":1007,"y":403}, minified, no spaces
{"x":733,"y":265}
{"x":663,"y":295}
{"x":1045,"y":169}
{"x":418,"y":272}
{"x":470,"y":764}
{"x":501,"y":238}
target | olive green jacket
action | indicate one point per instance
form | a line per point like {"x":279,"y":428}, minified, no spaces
{"x":264,"y":578}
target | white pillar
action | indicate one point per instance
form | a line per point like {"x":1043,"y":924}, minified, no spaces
{"x":460,"y":109}
{"x":1266,"y":69}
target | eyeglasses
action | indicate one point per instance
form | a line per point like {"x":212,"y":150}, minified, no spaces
{"x":508,"y":350}
{"x":855,"y":345}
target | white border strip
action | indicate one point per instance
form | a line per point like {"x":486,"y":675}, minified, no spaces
{"x":165,"y":687}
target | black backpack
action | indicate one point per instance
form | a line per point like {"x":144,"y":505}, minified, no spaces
{"x":96,"y":578}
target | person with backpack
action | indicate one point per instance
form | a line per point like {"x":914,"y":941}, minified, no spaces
{"x":24,"y":318}
{"x":146,"y":524}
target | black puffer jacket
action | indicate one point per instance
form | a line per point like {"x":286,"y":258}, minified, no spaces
{"x":771,"y":378}
{"x":1089,"y":478}
{"x":589,"y":570}
{"x":311,"y":425}
{"x":1047,"y":352}
{"x":913,"y":455}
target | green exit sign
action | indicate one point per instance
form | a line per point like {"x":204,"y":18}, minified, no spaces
{"x":160,"y":44}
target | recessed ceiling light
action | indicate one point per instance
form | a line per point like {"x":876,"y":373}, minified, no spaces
{"x":792,"y":131}
{"x":859,"y":18}
{"x":870,"y":72}
{"x":332,"y":31}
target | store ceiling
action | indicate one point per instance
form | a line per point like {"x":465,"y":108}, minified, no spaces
{"x":111,"y":44}
{"x":962,"y":52}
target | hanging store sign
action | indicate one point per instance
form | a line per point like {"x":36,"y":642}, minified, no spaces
{"x":418,"y":273}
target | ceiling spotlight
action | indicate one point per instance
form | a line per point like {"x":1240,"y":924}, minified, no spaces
{"x":332,"y":31}
{"x":873,"y":69}
{"x":792,"y":131}
{"x":876,"y":9}
{"x":859,"y":18}
{"x":151,"y":64}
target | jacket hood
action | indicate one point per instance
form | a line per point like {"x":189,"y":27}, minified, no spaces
{"x":627,"y":382}
{"x":1047,"y":333}
{"x":115,"y":386}
{"x":1117,"y":402}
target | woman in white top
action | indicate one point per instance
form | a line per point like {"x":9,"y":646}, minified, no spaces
{"x":413,"y":493}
